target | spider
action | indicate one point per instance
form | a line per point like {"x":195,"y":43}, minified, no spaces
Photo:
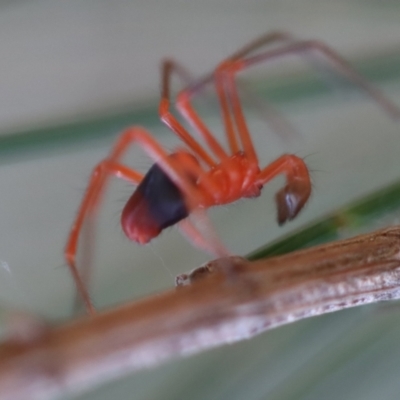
{"x":192,"y":179}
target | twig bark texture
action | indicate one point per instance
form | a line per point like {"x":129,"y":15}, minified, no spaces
{"x":231,"y":301}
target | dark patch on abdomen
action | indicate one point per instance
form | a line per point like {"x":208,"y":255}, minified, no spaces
{"x":165,"y":202}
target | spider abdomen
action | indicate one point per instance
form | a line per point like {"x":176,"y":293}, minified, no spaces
{"x":156,"y":204}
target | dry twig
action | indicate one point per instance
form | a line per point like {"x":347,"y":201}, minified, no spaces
{"x":215,"y":309}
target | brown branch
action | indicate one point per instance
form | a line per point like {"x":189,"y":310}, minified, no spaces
{"x":228,"y":300}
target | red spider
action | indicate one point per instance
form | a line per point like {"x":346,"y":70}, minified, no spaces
{"x":190,"y":180}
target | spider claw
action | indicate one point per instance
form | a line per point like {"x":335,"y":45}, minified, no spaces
{"x":291,"y":199}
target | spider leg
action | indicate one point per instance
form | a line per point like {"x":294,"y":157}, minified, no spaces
{"x":169,"y":67}
{"x":89,"y":205}
{"x":178,"y":171}
{"x":228,"y":94}
{"x":187,"y":111}
{"x":185,"y":108}
{"x":292,"y":197}
{"x":277,"y":122}
{"x":226,"y":87}
{"x":273,"y":117}
{"x":339,"y":64}
{"x":203,"y":235}
{"x":262,"y":41}
{"x":230,"y":103}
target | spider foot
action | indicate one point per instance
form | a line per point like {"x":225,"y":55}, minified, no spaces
{"x":291,"y":199}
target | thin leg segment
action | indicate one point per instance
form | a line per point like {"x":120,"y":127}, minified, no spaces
{"x":262,"y":41}
{"x":87,"y":208}
{"x":339,"y":64}
{"x":169,"y":67}
{"x":227,"y":88}
{"x":201,"y":233}
{"x":229,"y":96}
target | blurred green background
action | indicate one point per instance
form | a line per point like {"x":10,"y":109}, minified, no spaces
{"x":74,"y":74}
